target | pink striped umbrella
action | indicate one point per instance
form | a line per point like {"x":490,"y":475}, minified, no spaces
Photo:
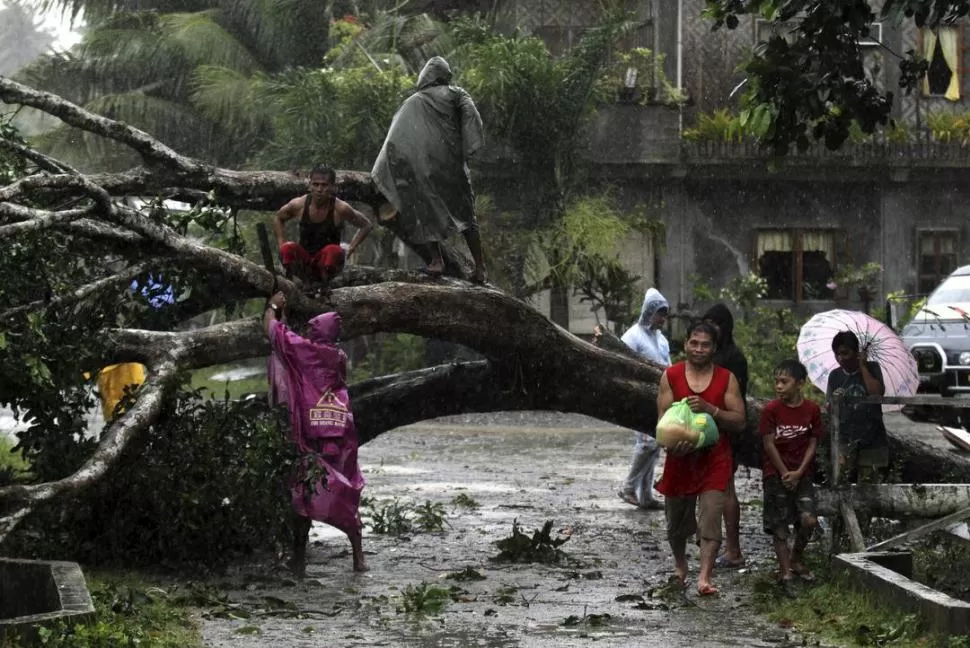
{"x":899,"y":371}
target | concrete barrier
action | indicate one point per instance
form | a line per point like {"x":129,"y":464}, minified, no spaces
{"x":886,"y":574}
{"x":37,"y":593}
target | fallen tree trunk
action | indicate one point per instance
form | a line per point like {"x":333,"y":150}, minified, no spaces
{"x":899,"y":501}
{"x":530,"y":363}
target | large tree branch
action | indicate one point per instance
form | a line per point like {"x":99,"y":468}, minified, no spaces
{"x":538,"y":364}
{"x":19,"y":500}
{"x":43,"y":162}
{"x":31,"y":220}
{"x":260,"y":190}
{"x":98,"y":231}
{"x":111,"y":284}
{"x":150,"y":149}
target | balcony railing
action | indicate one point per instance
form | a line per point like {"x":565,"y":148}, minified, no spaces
{"x":916,"y":153}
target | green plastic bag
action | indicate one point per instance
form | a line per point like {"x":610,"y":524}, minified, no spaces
{"x":680,"y":424}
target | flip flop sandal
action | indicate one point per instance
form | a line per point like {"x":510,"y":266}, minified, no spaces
{"x":629,"y":498}
{"x":723,"y":562}
{"x":805,"y":574}
{"x":676,"y":582}
{"x":707,"y":590}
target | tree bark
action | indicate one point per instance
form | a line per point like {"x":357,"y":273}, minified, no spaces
{"x":899,"y":501}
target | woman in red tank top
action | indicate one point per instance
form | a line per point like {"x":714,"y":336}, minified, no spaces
{"x":691,"y":474}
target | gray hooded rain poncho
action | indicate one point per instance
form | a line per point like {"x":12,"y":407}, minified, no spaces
{"x":653,"y":346}
{"x":422,"y":167}
{"x":649,"y":343}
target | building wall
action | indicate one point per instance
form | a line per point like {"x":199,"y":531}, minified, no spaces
{"x":713,"y":210}
{"x":712,"y":225}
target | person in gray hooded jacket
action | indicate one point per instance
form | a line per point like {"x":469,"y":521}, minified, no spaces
{"x":647,"y":340}
{"x":422,"y":169}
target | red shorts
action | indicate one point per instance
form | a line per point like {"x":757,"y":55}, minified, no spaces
{"x":325,"y":263}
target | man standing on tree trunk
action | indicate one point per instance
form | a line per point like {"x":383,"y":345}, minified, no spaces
{"x":311,"y":380}
{"x":691,"y":474}
{"x":422,"y":168}
{"x":319,"y":255}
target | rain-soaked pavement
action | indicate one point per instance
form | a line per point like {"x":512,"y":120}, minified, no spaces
{"x":530,"y":469}
{"x":528,"y":466}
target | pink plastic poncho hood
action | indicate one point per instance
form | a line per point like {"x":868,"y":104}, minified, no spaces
{"x":325,"y":329}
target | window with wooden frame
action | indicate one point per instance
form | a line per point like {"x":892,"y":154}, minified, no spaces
{"x":797,"y":264}
{"x":937,"y":255}
{"x":943,"y":48}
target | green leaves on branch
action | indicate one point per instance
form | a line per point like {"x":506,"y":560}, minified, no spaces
{"x":538,"y":103}
{"x":582,"y":250}
{"x":343,"y":114}
{"x":590,"y":228}
{"x":757,"y":120}
{"x":807,"y":83}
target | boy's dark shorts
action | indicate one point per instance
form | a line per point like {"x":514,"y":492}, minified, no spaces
{"x":783,"y":507}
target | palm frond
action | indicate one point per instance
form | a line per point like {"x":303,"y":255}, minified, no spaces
{"x":94,"y":11}
{"x":412,"y":38}
{"x":203,"y":41}
{"x":173,"y":122}
{"x":282,"y":32}
{"x":111,"y":61}
{"x":230,"y":99}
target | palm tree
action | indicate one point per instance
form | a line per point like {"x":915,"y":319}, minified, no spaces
{"x":22,"y":37}
{"x":180,"y":69}
{"x":538,"y":105}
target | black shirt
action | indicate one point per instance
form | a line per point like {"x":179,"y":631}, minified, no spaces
{"x":859,"y":423}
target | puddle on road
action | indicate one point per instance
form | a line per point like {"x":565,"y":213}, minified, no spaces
{"x":388,"y":469}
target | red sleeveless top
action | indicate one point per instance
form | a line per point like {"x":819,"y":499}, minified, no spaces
{"x":703,"y":470}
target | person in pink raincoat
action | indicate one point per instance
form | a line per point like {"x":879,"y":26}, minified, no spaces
{"x":309,"y":375}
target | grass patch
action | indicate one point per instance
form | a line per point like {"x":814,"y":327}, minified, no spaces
{"x":462,"y":500}
{"x":128,"y":612}
{"x":943,"y":564}
{"x":423,"y":599}
{"x":830,"y":609}
{"x":13,"y":466}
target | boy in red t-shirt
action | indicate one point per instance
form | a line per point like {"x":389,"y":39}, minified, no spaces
{"x":790,"y":428}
